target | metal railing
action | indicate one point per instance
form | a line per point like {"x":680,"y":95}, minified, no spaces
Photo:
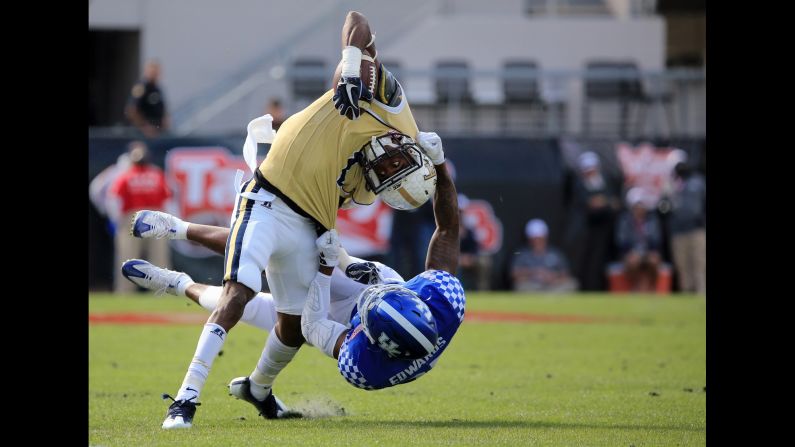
{"x":576,"y":102}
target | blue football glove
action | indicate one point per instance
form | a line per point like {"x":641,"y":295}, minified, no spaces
{"x":346,"y":98}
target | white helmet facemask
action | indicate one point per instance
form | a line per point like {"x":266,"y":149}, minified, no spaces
{"x":413,"y":190}
{"x":390,"y":145}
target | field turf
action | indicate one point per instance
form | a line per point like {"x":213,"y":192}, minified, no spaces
{"x":522,"y":370}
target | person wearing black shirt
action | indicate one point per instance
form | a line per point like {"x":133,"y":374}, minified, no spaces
{"x":146,"y":108}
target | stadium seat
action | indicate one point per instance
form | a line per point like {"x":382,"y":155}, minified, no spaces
{"x":521,"y":95}
{"x":454,"y":95}
{"x":309,"y":79}
{"x":624,"y":91}
{"x":452,"y":82}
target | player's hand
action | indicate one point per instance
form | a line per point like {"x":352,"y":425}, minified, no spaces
{"x":366,"y":273}
{"x":329,"y":245}
{"x":432,"y":145}
{"x":346,"y":98}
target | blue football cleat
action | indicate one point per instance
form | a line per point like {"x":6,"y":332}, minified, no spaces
{"x":152,"y":277}
{"x":154,"y":224}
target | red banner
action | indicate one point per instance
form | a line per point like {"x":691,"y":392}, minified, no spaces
{"x":203,"y":181}
{"x":365,"y":230}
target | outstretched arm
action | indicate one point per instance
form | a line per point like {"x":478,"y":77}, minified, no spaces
{"x":358,"y":44}
{"x":444,"y":247}
{"x":356,"y":32}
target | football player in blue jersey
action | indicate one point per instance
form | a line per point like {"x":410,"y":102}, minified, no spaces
{"x":397,"y":330}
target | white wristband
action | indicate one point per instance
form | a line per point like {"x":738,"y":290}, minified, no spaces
{"x":351,"y":61}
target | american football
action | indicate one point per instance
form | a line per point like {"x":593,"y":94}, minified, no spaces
{"x":369,"y":75}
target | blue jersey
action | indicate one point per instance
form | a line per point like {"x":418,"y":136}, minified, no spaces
{"x":369,"y":367}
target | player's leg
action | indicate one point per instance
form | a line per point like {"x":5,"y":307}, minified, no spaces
{"x":248,"y":248}
{"x":157,"y":224}
{"x":290,"y":271}
{"x":259,"y":312}
{"x":209,"y":236}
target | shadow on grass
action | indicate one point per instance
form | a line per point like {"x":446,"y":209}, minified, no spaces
{"x":479,"y":424}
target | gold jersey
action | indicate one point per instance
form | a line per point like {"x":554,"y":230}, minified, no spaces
{"x":314,"y":158}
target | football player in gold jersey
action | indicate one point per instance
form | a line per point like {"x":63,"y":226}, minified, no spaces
{"x":323,"y":157}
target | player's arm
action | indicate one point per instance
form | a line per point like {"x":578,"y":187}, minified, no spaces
{"x":356,"y":32}
{"x":445,"y":246}
{"x":326,"y":335}
{"x":357,"y":43}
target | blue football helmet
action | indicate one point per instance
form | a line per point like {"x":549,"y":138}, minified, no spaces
{"x":396,"y":320}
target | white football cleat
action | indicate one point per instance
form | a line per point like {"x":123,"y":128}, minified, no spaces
{"x":154,"y":224}
{"x":152,"y":277}
{"x":180,"y":413}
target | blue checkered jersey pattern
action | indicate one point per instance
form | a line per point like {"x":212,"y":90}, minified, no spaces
{"x":367,"y":366}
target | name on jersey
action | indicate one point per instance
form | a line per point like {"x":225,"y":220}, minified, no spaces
{"x":416,"y":364}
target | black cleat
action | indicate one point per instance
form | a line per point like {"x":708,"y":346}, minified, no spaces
{"x":270,"y":408}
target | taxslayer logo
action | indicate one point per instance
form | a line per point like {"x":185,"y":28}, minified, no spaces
{"x":365,"y":230}
{"x":203,"y":182}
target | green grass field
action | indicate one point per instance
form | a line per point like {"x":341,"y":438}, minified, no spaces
{"x":637,"y":379}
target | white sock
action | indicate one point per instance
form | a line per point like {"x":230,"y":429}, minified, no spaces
{"x":182,"y":229}
{"x":273,"y":360}
{"x":184,"y":284}
{"x":210,"y":343}
{"x":259,"y":312}
{"x":209,"y":298}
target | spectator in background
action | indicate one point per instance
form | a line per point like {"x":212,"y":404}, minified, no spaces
{"x":638,"y":236}
{"x":141,"y":186}
{"x":600,"y":203}
{"x":688,"y":224}
{"x":539,"y":267}
{"x":276,"y":110}
{"x":146,"y":107}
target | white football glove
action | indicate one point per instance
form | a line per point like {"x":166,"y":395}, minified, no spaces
{"x":432,"y":145}
{"x":329,"y":245}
